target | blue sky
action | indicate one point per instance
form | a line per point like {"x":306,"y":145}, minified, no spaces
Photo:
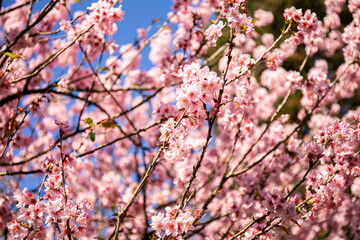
{"x":138,"y":13}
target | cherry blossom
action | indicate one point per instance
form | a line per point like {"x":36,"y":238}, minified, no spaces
{"x":214,"y":32}
{"x":208,"y":124}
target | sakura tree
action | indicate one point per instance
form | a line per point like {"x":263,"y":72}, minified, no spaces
{"x":223,"y":137}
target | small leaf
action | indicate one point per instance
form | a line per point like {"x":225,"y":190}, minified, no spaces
{"x":104,"y":69}
{"x":153,"y":236}
{"x":99,"y":238}
{"x":78,"y":1}
{"x":108,"y":124}
{"x":92,"y":136}
{"x":12,"y":56}
{"x":310,"y":201}
{"x":19,"y":56}
{"x":284,"y":228}
{"x":156,"y":20}
{"x":8,"y":54}
{"x":7,"y":133}
{"x":13,"y":125}
{"x":89,"y":121}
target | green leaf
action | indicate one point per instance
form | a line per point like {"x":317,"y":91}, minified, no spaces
{"x":108,"y":124}
{"x":92,"y":136}
{"x":8,"y":54}
{"x":12,"y":56}
{"x":78,"y":1}
{"x":103,"y":69}
{"x":89,"y":121}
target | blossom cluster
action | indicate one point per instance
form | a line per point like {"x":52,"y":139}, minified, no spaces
{"x":200,"y":86}
{"x":236,"y":19}
{"x":177,"y":150}
{"x":240,"y":101}
{"x":173,"y":223}
{"x":105,"y":16}
{"x":278,"y":206}
{"x":57,"y":209}
{"x":30,"y":217}
{"x":214,"y":31}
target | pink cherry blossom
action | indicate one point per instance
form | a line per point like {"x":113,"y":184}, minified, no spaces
{"x":263,"y":18}
{"x":274,"y":60}
{"x":293,"y":14}
{"x":294,"y":79}
{"x":214,"y":32}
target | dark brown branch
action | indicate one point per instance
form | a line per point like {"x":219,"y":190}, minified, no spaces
{"x":13,"y":8}
{"x":7,"y":173}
